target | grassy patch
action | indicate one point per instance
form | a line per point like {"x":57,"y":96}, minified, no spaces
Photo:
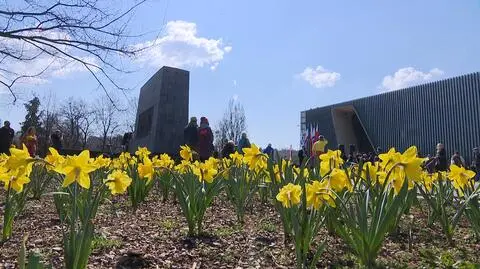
{"x":227,"y":231}
{"x":268,"y":226}
{"x":168,"y":224}
{"x":102,"y":243}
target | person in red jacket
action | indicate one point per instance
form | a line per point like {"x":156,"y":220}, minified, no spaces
{"x":205,"y":140}
{"x":30,"y":140}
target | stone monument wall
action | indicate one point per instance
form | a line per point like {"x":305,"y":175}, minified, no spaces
{"x":162,"y":111}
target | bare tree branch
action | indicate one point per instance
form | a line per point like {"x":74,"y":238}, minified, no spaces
{"x":87,"y":32}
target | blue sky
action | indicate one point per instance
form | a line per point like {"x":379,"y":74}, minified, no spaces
{"x":281,"y":57}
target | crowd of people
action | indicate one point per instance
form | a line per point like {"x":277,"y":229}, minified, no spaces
{"x":28,"y":138}
{"x":437,"y":163}
{"x":200,"y":139}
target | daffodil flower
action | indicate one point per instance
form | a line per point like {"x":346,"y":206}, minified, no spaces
{"x":118,"y":182}
{"x":77,"y":169}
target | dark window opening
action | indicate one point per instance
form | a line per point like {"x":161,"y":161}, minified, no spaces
{"x":145,"y":123}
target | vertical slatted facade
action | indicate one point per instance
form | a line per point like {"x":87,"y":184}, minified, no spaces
{"x":446,"y":111}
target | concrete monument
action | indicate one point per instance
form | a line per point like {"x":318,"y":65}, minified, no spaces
{"x":162,"y":111}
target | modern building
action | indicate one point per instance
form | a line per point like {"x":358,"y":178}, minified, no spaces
{"x":162,"y":112}
{"x":446,"y":111}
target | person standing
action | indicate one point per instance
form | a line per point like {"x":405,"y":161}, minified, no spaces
{"x":269,"y":151}
{"x":243,"y":143}
{"x":476,"y":163}
{"x":441,"y":158}
{"x":457,"y":160}
{"x":127,"y":137}
{"x":205,"y":140}
{"x":301,"y":156}
{"x":228,"y":149}
{"x":341,"y":148}
{"x":6,"y":138}
{"x":190,"y":134}
{"x":30,"y":141}
{"x":319,"y":146}
{"x":56,"y":140}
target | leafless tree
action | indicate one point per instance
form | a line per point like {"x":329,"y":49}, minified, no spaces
{"x":232,"y":125}
{"x":106,"y":117}
{"x":86,"y":123}
{"x":130,"y":114}
{"x":50,"y":120}
{"x":72,"y":114}
{"x":42,"y":36}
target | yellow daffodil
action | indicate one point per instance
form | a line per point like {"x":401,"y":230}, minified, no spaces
{"x":389,"y":159}
{"x":289,"y":195}
{"x":411,"y":164}
{"x":184,"y":167}
{"x":381,"y":177}
{"x":3,"y":158}
{"x":213,"y":162}
{"x":277,"y":172}
{"x":145,"y":169}
{"x":226,"y":163}
{"x":319,"y":193}
{"x":18,"y":158}
{"x":369,"y":171}
{"x":125,"y":159}
{"x":142,"y":152}
{"x":460,"y":177}
{"x":116,"y":164}
{"x":237,"y":158}
{"x":254,"y":158}
{"x":15,"y":179}
{"x":133,"y":161}
{"x":186,"y":153}
{"x":397,"y":178}
{"x":205,"y":171}
{"x":428,"y":180}
{"x":101,"y":162}
{"x":54,"y":158}
{"x":164,"y":161}
{"x":118,"y":182}
{"x":261,"y":165}
{"x":338,"y":180}
{"x":77,"y":168}
{"x":330,"y":160}
{"x":298,"y":170}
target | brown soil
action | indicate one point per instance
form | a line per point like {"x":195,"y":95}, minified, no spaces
{"x":155,"y":237}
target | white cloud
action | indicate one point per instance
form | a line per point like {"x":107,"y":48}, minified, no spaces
{"x":235,"y":83}
{"x":235,"y":97}
{"x":181,"y":46}
{"x":409,"y":76}
{"x":320,"y":77}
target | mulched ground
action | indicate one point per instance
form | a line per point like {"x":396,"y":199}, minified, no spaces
{"x":155,"y":237}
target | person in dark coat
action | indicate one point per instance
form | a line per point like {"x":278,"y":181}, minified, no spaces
{"x":243,"y":143}
{"x":476,"y":163}
{"x":269,"y":151}
{"x":441,"y":158}
{"x":457,"y":160}
{"x":190,"y":134}
{"x":127,"y":137}
{"x":341,"y":147}
{"x":6,"y":138}
{"x":228,"y":148}
{"x":301,"y":157}
{"x":205,"y":140}
{"x":56,"y":139}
